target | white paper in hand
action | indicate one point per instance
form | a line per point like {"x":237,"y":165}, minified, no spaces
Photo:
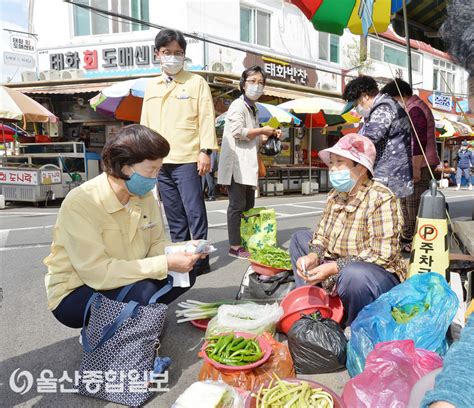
{"x":180,"y":280}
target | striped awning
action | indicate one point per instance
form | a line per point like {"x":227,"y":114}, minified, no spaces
{"x":425,"y":17}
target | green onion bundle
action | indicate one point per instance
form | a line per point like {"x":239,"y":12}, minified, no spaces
{"x":195,"y":310}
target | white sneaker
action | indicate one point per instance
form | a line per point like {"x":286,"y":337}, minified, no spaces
{"x":457,"y":188}
{"x":470,"y":187}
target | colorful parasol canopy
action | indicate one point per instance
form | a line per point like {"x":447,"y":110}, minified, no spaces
{"x":359,"y":16}
{"x":319,"y":112}
{"x":450,"y":128}
{"x":267,"y":112}
{"x":122,"y":100}
{"x":16,"y":106}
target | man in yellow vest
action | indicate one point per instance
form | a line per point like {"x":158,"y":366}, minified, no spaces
{"x":179,"y":106}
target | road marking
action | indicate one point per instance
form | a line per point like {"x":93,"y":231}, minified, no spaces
{"x":301,"y":206}
{"x":17,"y":247}
{"x":27,"y":228}
{"x":3,"y":237}
{"x":279,"y":217}
{"x":31,"y":214}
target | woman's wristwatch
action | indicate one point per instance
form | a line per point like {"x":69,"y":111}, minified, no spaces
{"x":206,"y":151}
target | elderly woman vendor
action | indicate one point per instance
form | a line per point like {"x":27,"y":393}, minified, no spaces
{"x":109,"y":232}
{"x":355,"y":249}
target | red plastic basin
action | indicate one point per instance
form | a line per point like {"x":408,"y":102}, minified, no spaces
{"x":265,"y":269}
{"x":304,"y":296}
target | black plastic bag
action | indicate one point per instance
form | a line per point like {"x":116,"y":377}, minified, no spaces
{"x":271,"y":147}
{"x":265,"y":288}
{"x":317,"y":345}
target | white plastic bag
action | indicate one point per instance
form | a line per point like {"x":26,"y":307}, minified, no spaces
{"x":209,"y":394}
{"x":246,"y":317}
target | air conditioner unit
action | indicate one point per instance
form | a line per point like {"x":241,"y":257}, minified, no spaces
{"x":221,"y":67}
{"x":50,"y":75}
{"x":72,"y":74}
{"x":28,"y":76}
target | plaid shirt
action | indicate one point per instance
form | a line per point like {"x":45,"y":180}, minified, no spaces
{"x":367,"y":229}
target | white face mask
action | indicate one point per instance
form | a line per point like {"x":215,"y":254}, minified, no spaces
{"x":364,"y":112}
{"x":253,"y":91}
{"x":172,"y":64}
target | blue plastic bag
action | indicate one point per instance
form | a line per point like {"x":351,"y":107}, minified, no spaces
{"x":430,"y":300}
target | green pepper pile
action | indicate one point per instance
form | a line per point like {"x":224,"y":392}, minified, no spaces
{"x":272,"y":256}
{"x":233,"y":350}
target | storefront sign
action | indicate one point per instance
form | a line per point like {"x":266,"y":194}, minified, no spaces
{"x":286,"y":72}
{"x":282,"y":70}
{"x":27,"y":178}
{"x":22,"y":43}
{"x":442,"y":101}
{"x":111,"y":57}
{"x":19,"y":60}
{"x":131,"y":56}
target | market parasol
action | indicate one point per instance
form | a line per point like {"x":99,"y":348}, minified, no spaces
{"x":359,"y":16}
{"x":122,"y":100}
{"x":450,"y":128}
{"x":318,"y":112}
{"x":15,"y":106}
{"x":265,"y":112}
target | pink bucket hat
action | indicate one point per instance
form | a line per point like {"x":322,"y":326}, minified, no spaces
{"x":354,"y":147}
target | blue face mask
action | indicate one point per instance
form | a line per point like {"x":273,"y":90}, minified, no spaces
{"x":140,"y":185}
{"x":341,"y":180}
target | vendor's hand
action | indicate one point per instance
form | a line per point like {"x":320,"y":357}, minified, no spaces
{"x":203,"y":164}
{"x":182,"y":262}
{"x":267,"y":131}
{"x":278,"y":133}
{"x":321,"y":273}
{"x":311,"y":261}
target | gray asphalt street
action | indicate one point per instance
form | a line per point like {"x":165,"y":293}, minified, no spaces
{"x":32,"y":340}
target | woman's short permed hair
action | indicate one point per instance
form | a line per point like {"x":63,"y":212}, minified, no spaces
{"x":132,"y":144}
{"x":358,"y":86}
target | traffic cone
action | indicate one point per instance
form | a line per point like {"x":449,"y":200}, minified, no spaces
{"x":430,"y":248}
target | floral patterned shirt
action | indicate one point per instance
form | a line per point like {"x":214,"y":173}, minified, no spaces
{"x":389,"y":129}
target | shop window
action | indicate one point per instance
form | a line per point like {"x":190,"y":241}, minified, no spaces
{"x":329,"y":47}
{"x":255,"y":26}
{"x":91,"y":23}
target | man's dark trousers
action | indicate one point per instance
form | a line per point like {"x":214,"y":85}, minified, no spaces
{"x":181,"y":192}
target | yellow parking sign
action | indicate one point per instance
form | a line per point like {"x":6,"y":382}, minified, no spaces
{"x":430,"y":248}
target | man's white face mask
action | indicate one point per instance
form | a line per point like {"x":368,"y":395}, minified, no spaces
{"x":172,"y":64}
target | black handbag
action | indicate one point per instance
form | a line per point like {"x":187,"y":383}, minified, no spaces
{"x":257,"y":287}
{"x":271,"y":147}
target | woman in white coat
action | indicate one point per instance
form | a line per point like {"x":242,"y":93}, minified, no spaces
{"x":238,"y":163}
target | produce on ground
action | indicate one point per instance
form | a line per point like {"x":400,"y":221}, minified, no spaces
{"x":272,"y":256}
{"x":285,"y":394}
{"x":404,"y":314}
{"x":195,"y":310}
{"x":208,"y":395}
{"x":233,"y":350}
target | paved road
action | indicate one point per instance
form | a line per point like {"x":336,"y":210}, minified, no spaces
{"x":31,"y":339}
